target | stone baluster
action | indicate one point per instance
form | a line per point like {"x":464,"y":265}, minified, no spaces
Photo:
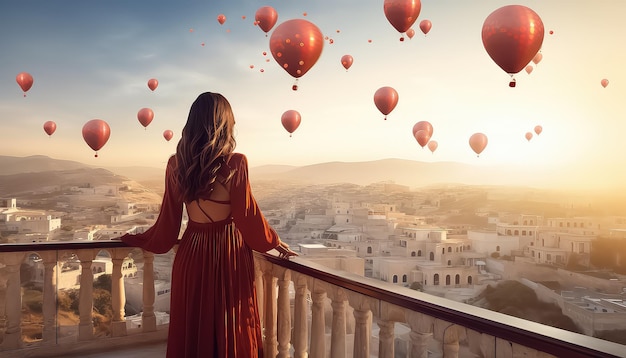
{"x":283,"y":322}
{"x":421,"y":333}
{"x":49,"y":309}
{"x":450,"y":340}
{"x":148,"y":319}
{"x":364,"y":307}
{"x":118,"y":295}
{"x":13,"y":310}
{"x":386,"y":337}
{"x":338,"y":333}
{"x":300,"y":326}
{"x":85,"y":296}
{"x":269,"y":295}
{"x":318,"y":325}
{"x":258,"y":288}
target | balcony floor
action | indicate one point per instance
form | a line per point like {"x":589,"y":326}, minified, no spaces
{"x":141,"y":350}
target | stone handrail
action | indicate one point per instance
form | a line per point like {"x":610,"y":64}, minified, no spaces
{"x":295,"y":299}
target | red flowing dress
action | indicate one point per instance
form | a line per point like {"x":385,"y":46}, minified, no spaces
{"x":213,"y":307}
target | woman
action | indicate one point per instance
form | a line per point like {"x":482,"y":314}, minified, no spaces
{"x":213,"y":308}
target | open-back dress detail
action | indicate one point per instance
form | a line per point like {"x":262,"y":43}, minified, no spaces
{"x":213,"y":307}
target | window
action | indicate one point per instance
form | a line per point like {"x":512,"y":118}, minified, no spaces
{"x":432,"y":256}
{"x":457,"y":279}
{"x":523,"y":232}
{"x":449,"y":263}
{"x":469,"y":280}
{"x":443,"y":250}
{"x":395,"y":278}
{"x":404,"y":278}
{"x":413,"y":254}
{"x":436,"y":279}
{"x":419,"y":252}
{"x":369,"y":249}
{"x":449,"y":249}
{"x":516,"y":233}
{"x":498,"y":248}
{"x":447,"y":280}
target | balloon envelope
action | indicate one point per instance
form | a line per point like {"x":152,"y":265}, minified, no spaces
{"x":529,"y":69}
{"x":153,"y":83}
{"x":425,"y":125}
{"x":422,"y":137}
{"x":478,"y":142}
{"x":432,"y":145}
{"x":386,"y":99}
{"x":346,"y":61}
{"x":221,"y":19}
{"x":266,"y":18}
{"x":96,"y":133}
{"x":425,"y":26}
{"x":296,"y":45}
{"x":538,"y":130}
{"x":25,"y":80}
{"x":538,"y":57}
{"x":145,"y":116}
{"x":410,"y":33}
{"x":512,"y":36}
{"x":528,"y":136}
{"x":402,"y":14}
{"x":49,"y":127}
{"x":604,"y":83}
{"x":291,"y":120}
{"x":168,"y":134}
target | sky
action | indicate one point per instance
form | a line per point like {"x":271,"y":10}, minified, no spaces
{"x":92,"y":60}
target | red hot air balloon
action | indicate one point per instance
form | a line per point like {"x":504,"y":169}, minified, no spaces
{"x":528,"y":136}
{"x":529,"y":69}
{"x":604,"y":82}
{"x":346,"y":61}
{"x":478,"y":142}
{"x":425,"y":125}
{"x":25,"y":80}
{"x":266,"y":18}
{"x":291,"y":120}
{"x":168,"y":134}
{"x":153,"y":83}
{"x":145,"y":116}
{"x":538,"y":130}
{"x":221,"y":18}
{"x":425,"y":26}
{"x":296,"y":45}
{"x":50,"y":127}
{"x":386,"y":99}
{"x":402,"y":14}
{"x":512,"y":36}
{"x":410,"y":33}
{"x":422,"y":137}
{"x":432,"y":145}
{"x":96,"y":133}
{"x":538,"y":57}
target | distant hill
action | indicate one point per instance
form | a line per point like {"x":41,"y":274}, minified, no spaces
{"x":35,"y":164}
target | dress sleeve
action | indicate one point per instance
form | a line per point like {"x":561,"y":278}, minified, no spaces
{"x":163,"y":235}
{"x":249,"y":220}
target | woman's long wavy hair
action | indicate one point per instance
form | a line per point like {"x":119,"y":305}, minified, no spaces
{"x":207,"y":137}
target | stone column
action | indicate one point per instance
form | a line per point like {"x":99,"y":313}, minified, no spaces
{"x":118,"y":295}
{"x":85,"y":296}
{"x":318,"y":325}
{"x":269,"y":295}
{"x":283,"y":321}
{"x":148,"y":319}
{"x":338,"y":333}
{"x":13,"y":331}
{"x":386,"y":339}
{"x":49,"y":259}
{"x":300,"y":326}
{"x":362,"y":333}
{"x":421,"y":333}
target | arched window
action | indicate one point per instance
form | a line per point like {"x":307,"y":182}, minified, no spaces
{"x":432,"y":256}
{"x":498,"y":248}
{"x":436,"y":279}
{"x":395,"y":278}
{"x":449,"y":249}
{"x":469,"y":280}
{"x":449,"y":263}
{"x":525,"y":222}
{"x":457,"y":279}
{"x":419,"y":252}
{"x":443,"y":250}
{"x":413,"y":253}
{"x":456,"y":249}
{"x":523,"y":232}
{"x":369,"y":249}
{"x":508,"y":232}
{"x":404,"y":278}
{"x":516,"y":233}
{"x":447,"y":280}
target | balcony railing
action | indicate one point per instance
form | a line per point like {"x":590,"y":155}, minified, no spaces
{"x":307,"y":310}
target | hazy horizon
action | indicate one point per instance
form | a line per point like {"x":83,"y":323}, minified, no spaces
{"x":87,"y":67}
